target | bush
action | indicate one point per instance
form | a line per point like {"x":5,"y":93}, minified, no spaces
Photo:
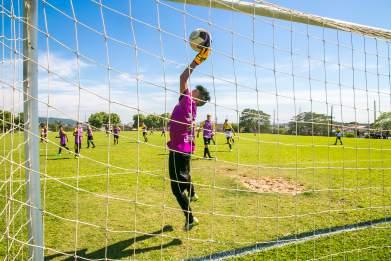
{"x":349,"y":135}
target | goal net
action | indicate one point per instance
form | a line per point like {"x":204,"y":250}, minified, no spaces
{"x":300,"y":151}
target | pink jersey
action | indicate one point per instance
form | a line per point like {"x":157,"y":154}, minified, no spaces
{"x":208,"y":129}
{"x":181,"y":131}
{"x":63,"y":137}
{"x":78,"y":135}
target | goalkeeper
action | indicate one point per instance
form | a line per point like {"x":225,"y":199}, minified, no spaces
{"x":181,"y":142}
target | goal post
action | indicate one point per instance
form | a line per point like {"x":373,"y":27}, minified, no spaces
{"x":31,"y":130}
{"x":262,"y":8}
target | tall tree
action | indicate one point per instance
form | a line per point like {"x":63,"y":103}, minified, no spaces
{"x":310,"y":123}
{"x":383,"y":122}
{"x":137,"y":119}
{"x":164,"y":119}
{"x":100,"y":118}
{"x":112,"y":118}
{"x":152,"y":120}
{"x":96,"y":119}
{"x":253,"y":121}
{"x":5,"y":120}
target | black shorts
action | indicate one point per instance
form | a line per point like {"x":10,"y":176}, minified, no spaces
{"x":179,"y":169}
{"x":206,"y":141}
{"x":116,"y":136}
{"x":90,"y":137}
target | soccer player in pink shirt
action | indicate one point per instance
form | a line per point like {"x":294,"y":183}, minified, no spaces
{"x":181,"y":142}
{"x":207,"y":129}
{"x":78,"y":133}
{"x":63,"y":140}
{"x":116,"y":131}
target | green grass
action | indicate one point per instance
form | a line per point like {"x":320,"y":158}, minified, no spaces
{"x":368,"y":244}
{"x":125,"y":188}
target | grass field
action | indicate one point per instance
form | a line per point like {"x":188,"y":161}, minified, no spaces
{"x":119,"y":197}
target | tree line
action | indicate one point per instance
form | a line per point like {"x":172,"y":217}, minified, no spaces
{"x":156,"y":121}
{"x":250,"y":121}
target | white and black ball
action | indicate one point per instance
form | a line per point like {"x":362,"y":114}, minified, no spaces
{"x":199,"y":38}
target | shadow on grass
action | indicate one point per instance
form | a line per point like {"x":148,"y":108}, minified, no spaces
{"x":61,"y":158}
{"x":291,"y":239}
{"x":119,"y":250}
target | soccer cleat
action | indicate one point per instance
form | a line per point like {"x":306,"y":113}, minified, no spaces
{"x":194,"y":198}
{"x":189,"y":226}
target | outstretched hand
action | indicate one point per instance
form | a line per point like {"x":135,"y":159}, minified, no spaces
{"x":202,"y":55}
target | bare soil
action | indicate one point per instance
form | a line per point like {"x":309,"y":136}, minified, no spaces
{"x":264,"y":184}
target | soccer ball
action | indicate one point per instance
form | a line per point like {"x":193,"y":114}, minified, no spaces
{"x":199,"y":39}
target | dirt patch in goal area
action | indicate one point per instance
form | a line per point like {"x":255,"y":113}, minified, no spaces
{"x":272,"y":184}
{"x":265,"y":184}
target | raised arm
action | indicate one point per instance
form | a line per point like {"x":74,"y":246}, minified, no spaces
{"x":185,"y":76}
{"x":200,"y":58}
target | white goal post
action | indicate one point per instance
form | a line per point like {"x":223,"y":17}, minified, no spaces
{"x":262,"y":8}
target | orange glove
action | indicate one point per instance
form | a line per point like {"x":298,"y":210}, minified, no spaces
{"x":202,"y":56}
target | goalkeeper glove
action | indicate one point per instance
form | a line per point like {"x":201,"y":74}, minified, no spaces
{"x":202,"y":56}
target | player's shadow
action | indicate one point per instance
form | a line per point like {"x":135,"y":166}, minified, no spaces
{"x":119,"y":250}
{"x":60,"y":158}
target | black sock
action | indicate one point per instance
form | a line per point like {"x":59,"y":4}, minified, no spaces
{"x":189,"y":218}
{"x":230,"y":146}
{"x":204,"y":152}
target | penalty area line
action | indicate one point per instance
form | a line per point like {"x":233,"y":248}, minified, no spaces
{"x":291,"y":239}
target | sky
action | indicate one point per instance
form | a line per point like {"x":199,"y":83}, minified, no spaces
{"x":131,"y":54}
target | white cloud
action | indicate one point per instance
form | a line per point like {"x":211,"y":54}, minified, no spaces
{"x":59,"y":65}
{"x":60,"y":90}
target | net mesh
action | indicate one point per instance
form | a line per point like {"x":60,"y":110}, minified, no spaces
{"x":289,"y":89}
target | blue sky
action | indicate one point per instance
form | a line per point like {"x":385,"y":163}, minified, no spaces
{"x":235,"y":84}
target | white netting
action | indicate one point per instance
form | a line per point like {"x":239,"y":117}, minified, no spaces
{"x":289,"y":89}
